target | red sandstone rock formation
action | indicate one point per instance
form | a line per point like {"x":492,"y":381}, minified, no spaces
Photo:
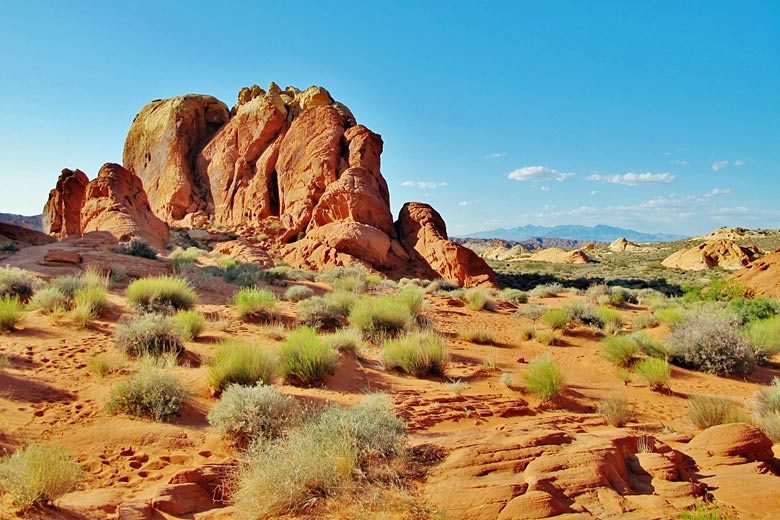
{"x":762,"y":276}
{"x":62,"y":212}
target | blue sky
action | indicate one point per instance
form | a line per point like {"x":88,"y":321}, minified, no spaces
{"x":658,"y":116}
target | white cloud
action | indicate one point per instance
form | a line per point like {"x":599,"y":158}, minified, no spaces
{"x":423,"y":185}
{"x":467,"y":203}
{"x":633,"y":179}
{"x":495,"y":155}
{"x":717,"y":191}
{"x":719,"y":165}
{"x":678,"y":162}
{"x":545,"y":188}
{"x":537,"y":173}
{"x":739,"y":162}
{"x":594,"y":192}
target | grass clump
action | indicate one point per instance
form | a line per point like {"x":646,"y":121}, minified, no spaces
{"x":556,"y":319}
{"x":511,"y":295}
{"x":544,"y":378}
{"x":651,"y":347}
{"x":478,"y":336}
{"x":703,"y":512}
{"x":620,"y":350}
{"x":656,"y":373}
{"x":611,"y":320}
{"x":671,"y":316}
{"x":381,"y":316}
{"x":244,"y":413}
{"x":161,"y":294}
{"x":183,"y":259}
{"x":148,"y":335}
{"x":104,"y":364}
{"x":11,"y":312}
{"x":137,"y":246}
{"x":241,"y":362}
{"x":711,"y":410}
{"x":417,"y":353}
{"x":38,"y":475}
{"x":305,"y":358}
{"x":50,"y":300}
{"x":768,"y":399}
{"x":345,"y":340}
{"x":297,"y":293}
{"x":480,"y":298}
{"x":616,"y":410}
{"x":254,"y":303}
{"x":645,"y":321}
{"x":319,"y":312}
{"x":580,"y":311}
{"x":458,"y":387}
{"x":764,"y":336}
{"x":712,"y":344}
{"x":544,"y":336}
{"x":547,"y":290}
{"x":89,"y":303}
{"x":527,"y":332}
{"x":754,"y":309}
{"x":148,"y":393}
{"x":770,"y":425}
{"x":191,"y":324}
{"x":17,"y":282}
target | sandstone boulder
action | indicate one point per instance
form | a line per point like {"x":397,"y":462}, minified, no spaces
{"x":733,"y":440}
{"x":339,"y":243}
{"x":621,"y":245}
{"x":243,"y":250}
{"x":721,"y":253}
{"x":422,"y":231}
{"x":161,"y":148}
{"x":762,"y":276}
{"x":556,"y":255}
{"x":116,"y":202}
{"x":21,"y":236}
{"x":504,"y":254}
{"x":62,"y":212}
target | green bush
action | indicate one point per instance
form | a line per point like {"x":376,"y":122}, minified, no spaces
{"x":38,"y":475}
{"x":241,"y":362}
{"x":544,"y":378}
{"x":417,"y":353}
{"x":712,"y":344}
{"x":545,"y":337}
{"x":297,"y":293}
{"x":480,"y":298}
{"x":191,"y":324}
{"x":148,"y":393}
{"x":511,"y":295}
{"x":245,"y":413}
{"x":770,"y":425}
{"x":243,"y":275}
{"x":103,"y":364}
{"x":255,"y":303}
{"x":49,"y":300}
{"x":381,"y":316}
{"x":711,"y":410}
{"x":768,"y":399}
{"x":651,"y":347}
{"x":755,"y":309}
{"x":183,"y":259}
{"x":703,"y":512}
{"x":656,"y":373}
{"x":11,"y":312}
{"x":413,"y":297}
{"x":345,"y":340}
{"x":616,"y":410}
{"x":162,"y":293}
{"x":764,"y":336}
{"x":336,"y":273}
{"x":611,"y":319}
{"x":305,"y":358}
{"x":355,"y":283}
{"x":137,"y":247}
{"x":478,"y":336}
{"x":580,"y":311}
{"x":671,"y":316}
{"x":319,"y":312}
{"x":89,"y":303}
{"x":17,"y":282}
{"x":556,"y":319}
{"x":644,"y":321}
{"x":620,"y":350}
{"x":547,"y":290}
{"x":441,"y":286}
{"x":148,"y":335}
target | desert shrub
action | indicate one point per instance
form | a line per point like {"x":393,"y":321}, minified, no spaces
{"x":441,"y":286}
{"x":342,"y":302}
{"x":764,"y":336}
{"x":768,"y":399}
{"x":289,"y":273}
{"x":17,"y":282}
{"x":547,"y":290}
{"x":244,"y":413}
{"x":191,"y":324}
{"x":703,"y":512}
{"x":150,"y":334}
{"x":336,"y":273}
{"x":241,"y":362}
{"x":243,"y":275}
{"x":117,"y":273}
{"x":345,"y":340}
{"x":413,"y":297}
{"x":656,"y":373}
{"x":478,"y":336}
{"x":89,"y":303}
{"x":506,"y":379}
{"x":297,"y":293}
{"x":417,"y":353}
{"x":712,"y":344}
{"x":49,"y":300}
{"x":597,"y":293}
{"x":580,"y":311}
{"x":148,"y":393}
{"x":38,"y":474}
{"x":103,"y":364}
{"x":532,"y":311}
{"x":754,"y":309}
{"x":354,"y":283}
{"x":671,"y":316}
{"x":11,"y":312}
{"x":305,"y":358}
{"x":651,"y":347}
{"x":136,"y":246}
{"x":381,"y":316}
{"x":711,"y":410}
{"x":511,"y":295}
{"x":480,"y":298}
{"x":161,"y":293}
{"x":183,"y":259}
{"x":255,"y":303}
{"x":616,"y":410}
{"x":611,"y":320}
{"x":770,"y":425}
{"x":527,"y":332}
{"x":644,"y":321}
{"x":556,"y":319}
{"x":544,"y":336}
{"x":319,"y":312}
{"x":544,"y":378}
{"x":620,"y":350}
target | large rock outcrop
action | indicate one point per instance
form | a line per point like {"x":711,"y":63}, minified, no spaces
{"x":62,"y":212}
{"x":556,"y":255}
{"x":721,"y":253}
{"x":762,"y":276}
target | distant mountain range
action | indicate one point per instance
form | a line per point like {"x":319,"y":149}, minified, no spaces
{"x":32,"y":222}
{"x":599,"y":233}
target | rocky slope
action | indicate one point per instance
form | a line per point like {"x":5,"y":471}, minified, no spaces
{"x":762,"y":276}
{"x":721,"y":253}
{"x":286,"y":168}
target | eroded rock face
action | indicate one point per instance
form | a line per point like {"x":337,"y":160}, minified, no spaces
{"x":161,"y":149}
{"x":721,"y":253}
{"x":422,"y":230}
{"x":116,"y":202}
{"x":556,"y":255}
{"x":62,"y":212}
{"x":762,"y":276}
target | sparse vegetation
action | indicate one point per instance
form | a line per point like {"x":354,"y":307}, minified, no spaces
{"x":305,"y":358}
{"x":89,"y":303}
{"x":319,"y":312}
{"x":137,"y":246}
{"x":656,"y":373}
{"x":544,"y":378}
{"x":240,"y":362}
{"x":511,"y":295}
{"x":671,"y":316}
{"x":297,"y":293}
{"x":17,"y":282}
{"x":644,"y":321}
{"x":11,"y":312}
{"x":381,"y":316}
{"x":191,"y":324}
{"x":161,"y":294}
{"x":768,"y":399}
{"x":611,"y":320}
{"x":547,"y":290}
{"x":148,"y":393}
{"x":623,"y":351}
{"x":478,"y":336}
{"x":417,"y":353}
{"x":703,"y":512}
{"x":480,"y":298}
{"x":616,"y":410}
{"x":38,"y":474}
{"x":104,"y":364}
{"x":556,"y":319}
{"x":544,"y":336}
{"x":711,"y":410}
{"x":183,"y":259}
{"x":148,"y":335}
{"x":458,"y":386}
{"x":255,"y":303}
{"x":764,"y":336}
{"x":49,"y":300}
{"x":345,"y":340}
{"x":712,"y":344}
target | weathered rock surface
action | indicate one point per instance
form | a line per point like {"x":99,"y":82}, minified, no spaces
{"x":721,"y":253}
{"x":621,"y":244}
{"x":116,"y":202}
{"x":555,"y":255}
{"x":762,"y":276}
{"x":62,"y":212}
{"x":734,"y":440}
{"x":504,"y":254}
{"x":22,"y":236}
{"x":162,"y":146}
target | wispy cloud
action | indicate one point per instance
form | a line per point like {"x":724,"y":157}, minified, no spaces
{"x":678,"y":162}
{"x":594,"y":192}
{"x":545,"y":188}
{"x":423,"y":185}
{"x":467,"y":203}
{"x":538,"y":173}
{"x":717,"y":191}
{"x":633,"y":179}
{"x":719,"y":165}
{"x":739,"y":162}
{"x":495,"y":155}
